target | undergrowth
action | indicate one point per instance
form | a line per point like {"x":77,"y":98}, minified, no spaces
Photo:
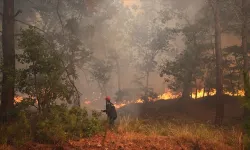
{"x":58,"y":125}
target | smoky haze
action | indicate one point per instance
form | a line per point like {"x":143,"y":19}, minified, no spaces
{"x":115,"y":35}
{"x":113,"y":30}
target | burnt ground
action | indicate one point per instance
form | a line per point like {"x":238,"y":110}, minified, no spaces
{"x":202,"y":109}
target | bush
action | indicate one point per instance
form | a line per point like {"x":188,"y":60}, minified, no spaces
{"x":62,"y":124}
{"x":16,"y":133}
{"x":57,"y":125}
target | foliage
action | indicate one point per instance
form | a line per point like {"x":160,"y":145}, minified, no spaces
{"x":57,"y":126}
{"x":63,"y":124}
{"x":246,"y":104}
{"x":44,"y":78}
{"x":151,"y":95}
{"x":16,"y":133}
{"x":101,"y":72}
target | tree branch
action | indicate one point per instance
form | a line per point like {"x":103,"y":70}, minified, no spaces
{"x":58,"y":14}
{"x":237,"y":12}
{"x":22,"y":22}
{"x":211,"y":4}
{"x":18,"y":12}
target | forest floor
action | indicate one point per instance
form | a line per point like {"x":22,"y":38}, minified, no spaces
{"x":164,"y":125}
{"x":133,"y":141}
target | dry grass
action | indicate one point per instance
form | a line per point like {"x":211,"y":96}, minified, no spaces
{"x":136,"y":134}
{"x":198,"y":133}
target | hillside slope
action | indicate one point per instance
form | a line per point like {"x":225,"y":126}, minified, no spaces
{"x":199,"y":110}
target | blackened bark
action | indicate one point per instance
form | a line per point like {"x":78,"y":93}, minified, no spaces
{"x":204,"y":91}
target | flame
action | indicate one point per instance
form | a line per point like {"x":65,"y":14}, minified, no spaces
{"x":87,"y":102}
{"x":201,"y":93}
{"x":18,"y":99}
{"x":167,"y":95}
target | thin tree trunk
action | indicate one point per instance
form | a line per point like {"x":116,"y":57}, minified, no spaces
{"x":8,"y":46}
{"x":196,"y":93}
{"x":37,"y":98}
{"x":245,"y":48}
{"x":219,"y":87}
{"x":204,"y":91}
{"x":186,"y":87}
{"x":147,"y":80}
{"x":118,"y":74}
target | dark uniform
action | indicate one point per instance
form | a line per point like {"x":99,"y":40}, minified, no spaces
{"x":110,"y":111}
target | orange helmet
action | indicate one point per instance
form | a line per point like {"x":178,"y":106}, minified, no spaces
{"x":107,"y":98}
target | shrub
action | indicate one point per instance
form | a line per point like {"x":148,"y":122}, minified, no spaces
{"x":16,"y":133}
{"x":62,"y":124}
{"x":57,"y":125}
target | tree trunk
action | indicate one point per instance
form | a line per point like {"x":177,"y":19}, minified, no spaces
{"x":196,"y":93}
{"x":187,"y":83}
{"x":219,"y":86}
{"x":244,"y":37}
{"x":146,"y":92}
{"x":118,"y":74}
{"x":187,"y":86}
{"x":8,"y":45}
{"x":204,"y":91}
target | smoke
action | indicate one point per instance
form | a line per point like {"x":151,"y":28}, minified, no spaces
{"x":113,"y":37}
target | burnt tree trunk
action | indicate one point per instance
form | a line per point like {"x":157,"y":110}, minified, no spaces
{"x":196,"y":93}
{"x":8,"y":45}
{"x":219,"y":86}
{"x":204,"y":91}
{"x":187,"y":85}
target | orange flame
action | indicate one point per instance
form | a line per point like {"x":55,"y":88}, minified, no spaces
{"x":167,"y":95}
{"x":18,"y":99}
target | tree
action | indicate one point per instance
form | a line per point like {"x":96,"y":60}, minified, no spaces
{"x":244,"y":36}
{"x":8,"y":45}
{"x":101,"y":73}
{"x":43,"y":79}
{"x":219,"y":86}
{"x":149,"y":40}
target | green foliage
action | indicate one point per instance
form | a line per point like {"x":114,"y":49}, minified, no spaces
{"x":246,"y":104}
{"x":57,"y":126}
{"x":16,"y":133}
{"x":45,"y":77}
{"x":62,"y":124}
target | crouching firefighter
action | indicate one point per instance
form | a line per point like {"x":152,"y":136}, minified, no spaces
{"x":110,"y":111}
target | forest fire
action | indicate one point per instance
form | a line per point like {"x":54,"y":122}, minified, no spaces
{"x":167,"y":95}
